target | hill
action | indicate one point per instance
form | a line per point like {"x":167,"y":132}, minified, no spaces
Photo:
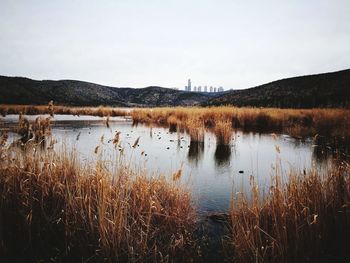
{"x":320,"y":90}
{"x":18,"y":90}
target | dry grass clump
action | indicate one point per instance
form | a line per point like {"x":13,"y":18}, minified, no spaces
{"x":173,"y":123}
{"x":223,"y":132}
{"x":53,"y":207}
{"x":195,"y":129}
{"x":36,"y":131}
{"x":306,"y":219}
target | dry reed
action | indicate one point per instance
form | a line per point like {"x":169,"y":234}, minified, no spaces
{"x":51,"y":109}
{"x":304,"y":220}
{"x":223,"y":132}
{"x":296,"y":122}
{"x":195,"y":129}
{"x":54,"y":207}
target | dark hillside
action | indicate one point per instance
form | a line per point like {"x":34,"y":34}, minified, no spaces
{"x":16,"y":90}
{"x":321,"y":90}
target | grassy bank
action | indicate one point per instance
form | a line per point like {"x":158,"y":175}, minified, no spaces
{"x":49,"y":109}
{"x":53,"y":207}
{"x":292,"y":121}
{"x":220,"y":120}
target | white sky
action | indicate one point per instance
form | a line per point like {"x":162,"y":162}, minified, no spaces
{"x":137,"y":43}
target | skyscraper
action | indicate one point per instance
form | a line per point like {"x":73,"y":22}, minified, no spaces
{"x":199,"y":89}
{"x":214,"y":89}
{"x":205,"y":89}
{"x":189,"y":85}
{"x":211,"y":88}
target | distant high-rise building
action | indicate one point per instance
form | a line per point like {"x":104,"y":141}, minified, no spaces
{"x":194,"y":88}
{"x":189,"y":85}
{"x":214,"y":89}
{"x":211,"y":88}
{"x":205,"y":89}
{"x":199,"y":89}
{"x":220,"y":89}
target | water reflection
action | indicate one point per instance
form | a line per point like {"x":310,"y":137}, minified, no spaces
{"x":326,"y":148}
{"x":222,"y":155}
{"x":172,"y":128}
{"x":195,"y":152}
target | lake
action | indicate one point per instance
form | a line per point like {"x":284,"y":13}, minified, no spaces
{"x":212,"y":172}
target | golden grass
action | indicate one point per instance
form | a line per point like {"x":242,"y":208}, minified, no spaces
{"x":223,"y":132}
{"x":301,"y":220}
{"x":54,"y":207}
{"x":51,"y":109}
{"x":194,"y":127}
{"x":296,"y":122}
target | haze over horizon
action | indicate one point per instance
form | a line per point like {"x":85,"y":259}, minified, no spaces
{"x":234,"y":44}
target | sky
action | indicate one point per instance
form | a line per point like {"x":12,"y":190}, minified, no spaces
{"x":139,"y":43}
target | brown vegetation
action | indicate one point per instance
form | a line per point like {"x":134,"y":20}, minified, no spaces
{"x":296,"y":122}
{"x":54,"y":207}
{"x":305,"y":219}
{"x":65,"y":209}
{"x":51,"y":109}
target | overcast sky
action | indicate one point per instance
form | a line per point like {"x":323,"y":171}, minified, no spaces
{"x":137,"y":43}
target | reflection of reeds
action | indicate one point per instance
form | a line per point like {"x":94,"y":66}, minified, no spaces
{"x":195,"y":151}
{"x":222,"y":154}
{"x":52,"y":206}
{"x":296,"y":221}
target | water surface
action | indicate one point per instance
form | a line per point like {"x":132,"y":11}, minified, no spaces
{"x":213,"y":172}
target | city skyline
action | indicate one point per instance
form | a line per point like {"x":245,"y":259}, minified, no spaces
{"x":198,"y":88}
{"x":160,"y":43}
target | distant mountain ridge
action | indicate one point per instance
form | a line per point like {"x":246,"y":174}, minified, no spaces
{"x":320,"y":90}
{"x":18,"y":90}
